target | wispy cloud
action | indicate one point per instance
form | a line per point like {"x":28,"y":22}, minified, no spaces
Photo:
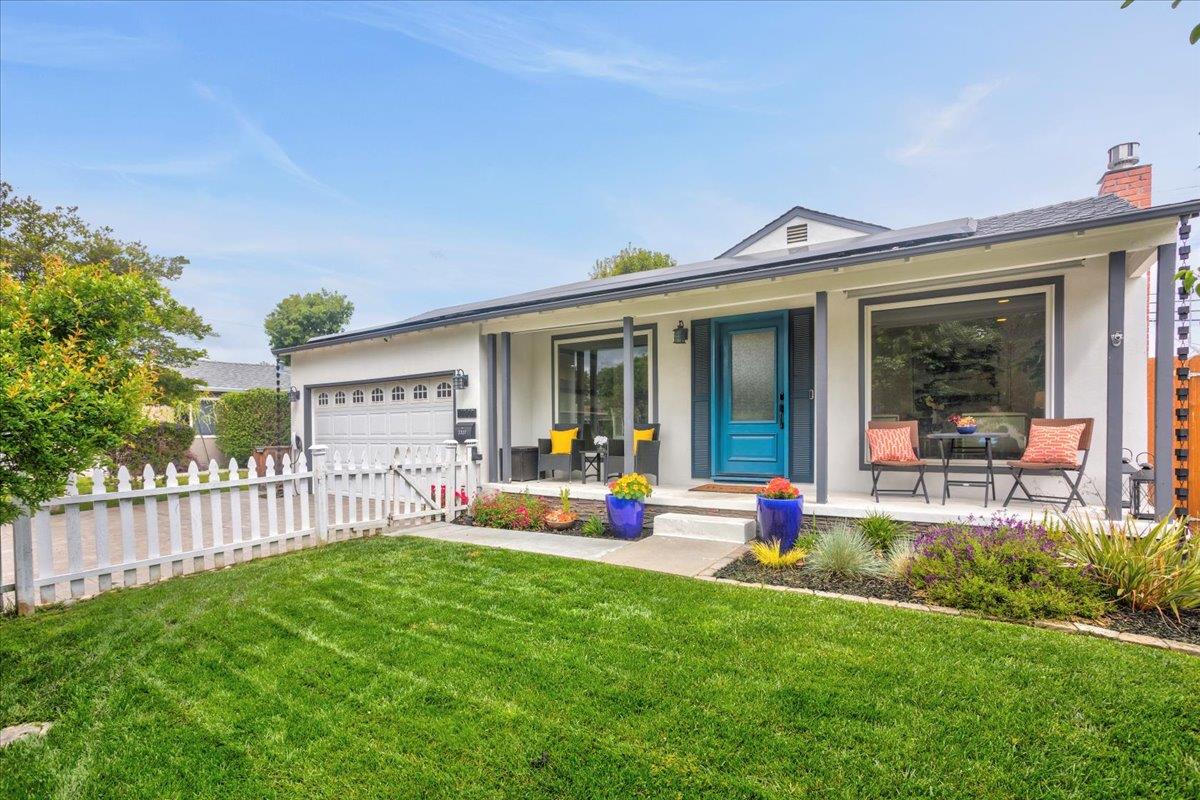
{"x":529,"y":46}
{"x":937,"y":129}
{"x":257,"y":139}
{"x":73,"y":48}
{"x":171,"y":167}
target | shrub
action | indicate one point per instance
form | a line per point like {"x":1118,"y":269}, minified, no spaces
{"x":899,"y":559}
{"x":843,"y":552}
{"x":592,"y":526}
{"x":514,"y":512}
{"x":158,"y":444}
{"x":1158,"y":569}
{"x":1004,"y":567}
{"x":882,"y":530}
{"x":246,"y":420}
{"x":768,"y":554}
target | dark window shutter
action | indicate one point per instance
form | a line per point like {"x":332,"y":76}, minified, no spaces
{"x":800,"y":388}
{"x":701,"y":398}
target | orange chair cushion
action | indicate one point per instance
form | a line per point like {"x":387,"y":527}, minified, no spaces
{"x":891,"y":444}
{"x":560,"y":441}
{"x":1054,"y":444}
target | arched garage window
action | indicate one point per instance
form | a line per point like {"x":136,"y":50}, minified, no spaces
{"x":339,"y":398}
{"x":323,"y":399}
{"x":444,"y":390}
{"x":420,"y":392}
{"x":377,"y":395}
{"x":357,"y":397}
{"x":397,"y":393}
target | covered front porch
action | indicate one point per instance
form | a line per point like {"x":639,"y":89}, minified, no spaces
{"x":782,"y":375}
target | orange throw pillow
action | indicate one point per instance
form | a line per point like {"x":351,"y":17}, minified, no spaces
{"x":890,"y":444}
{"x":1054,"y":444}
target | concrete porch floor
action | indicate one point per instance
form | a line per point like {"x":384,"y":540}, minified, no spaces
{"x":669,"y":554}
{"x":964,"y":502}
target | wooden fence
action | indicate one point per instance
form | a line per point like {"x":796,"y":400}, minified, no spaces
{"x":143,"y":529}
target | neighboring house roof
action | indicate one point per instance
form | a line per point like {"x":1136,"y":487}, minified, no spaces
{"x":235,"y":376}
{"x":819,"y":216}
{"x":954,"y":234}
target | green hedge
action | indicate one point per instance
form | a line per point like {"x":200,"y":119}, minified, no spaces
{"x":246,"y":420}
{"x":158,"y":444}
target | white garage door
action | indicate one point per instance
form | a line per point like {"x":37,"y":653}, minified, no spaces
{"x":376,"y":418}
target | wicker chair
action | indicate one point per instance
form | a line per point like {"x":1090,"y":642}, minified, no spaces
{"x":880,"y":467}
{"x":645,"y":457}
{"x":548,"y":462}
{"x":1021,"y":467}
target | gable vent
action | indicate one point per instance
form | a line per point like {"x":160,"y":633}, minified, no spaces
{"x":797,"y":234}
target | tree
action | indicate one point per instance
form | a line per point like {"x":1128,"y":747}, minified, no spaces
{"x":31,"y":234}
{"x":299,"y":317}
{"x":72,"y":383}
{"x":250,"y":419}
{"x":631,"y":259}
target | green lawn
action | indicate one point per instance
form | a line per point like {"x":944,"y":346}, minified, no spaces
{"x":411,"y":668}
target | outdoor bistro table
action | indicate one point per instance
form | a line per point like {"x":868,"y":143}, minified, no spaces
{"x":948,"y":443}
{"x":593,"y":460}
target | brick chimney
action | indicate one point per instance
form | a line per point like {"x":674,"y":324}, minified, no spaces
{"x":1125,"y":177}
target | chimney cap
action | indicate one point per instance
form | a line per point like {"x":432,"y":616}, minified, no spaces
{"x":1123,"y":155}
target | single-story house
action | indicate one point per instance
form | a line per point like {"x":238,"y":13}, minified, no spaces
{"x":772,"y":357}
{"x":217,"y":378}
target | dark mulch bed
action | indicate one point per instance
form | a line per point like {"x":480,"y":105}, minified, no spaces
{"x":749,"y":570}
{"x":1150,"y":623}
{"x":574,"y":530}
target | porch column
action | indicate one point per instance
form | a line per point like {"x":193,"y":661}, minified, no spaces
{"x":506,"y":396}
{"x":1164,"y":388}
{"x":627,"y":385}
{"x":491,"y":441}
{"x":821,"y":396}
{"x":1115,"y":416}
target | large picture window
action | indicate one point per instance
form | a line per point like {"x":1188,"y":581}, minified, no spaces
{"x":982,"y":355}
{"x":589,"y":381}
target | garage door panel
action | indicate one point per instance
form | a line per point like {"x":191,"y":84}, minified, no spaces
{"x":374,"y":429}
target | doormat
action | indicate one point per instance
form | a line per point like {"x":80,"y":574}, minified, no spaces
{"x":728,"y":488}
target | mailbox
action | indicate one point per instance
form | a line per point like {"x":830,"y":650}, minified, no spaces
{"x":464,"y":431}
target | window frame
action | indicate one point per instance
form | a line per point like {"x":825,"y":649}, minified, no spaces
{"x":444,"y":385}
{"x":397,"y":394}
{"x":339,"y":398}
{"x":357,"y":397}
{"x":650,"y":329}
{"x":323,"y":398}
{"x":1050,"y":286}
{"x":420,"y":392}
{"x":377,"y":394}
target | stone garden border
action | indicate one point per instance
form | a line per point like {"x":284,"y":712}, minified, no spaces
{"x":1079,"y":628}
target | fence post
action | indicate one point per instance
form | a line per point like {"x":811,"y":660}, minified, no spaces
{"x":451,"y":504}
{"x":472,"y":473}
{"x":320,"y":491}
{"x":23,"y":563}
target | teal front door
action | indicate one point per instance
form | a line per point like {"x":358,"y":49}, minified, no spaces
{"x":750,"y":415}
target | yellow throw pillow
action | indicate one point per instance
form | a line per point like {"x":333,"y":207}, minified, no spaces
{"x":560,"y":441}
{"x":642,"y":435}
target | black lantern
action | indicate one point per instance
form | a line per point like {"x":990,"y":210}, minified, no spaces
{"x":680,"y":333}
{"x":460,"y":379}
{"x":293,"y":394}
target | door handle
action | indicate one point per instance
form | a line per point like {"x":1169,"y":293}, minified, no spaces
{"x":780,"y":412}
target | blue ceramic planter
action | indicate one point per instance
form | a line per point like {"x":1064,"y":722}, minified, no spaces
{"x":780,"y":519}
{"x":625,"y":516}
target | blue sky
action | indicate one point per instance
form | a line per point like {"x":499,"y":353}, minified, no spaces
{"x":414,"y":156}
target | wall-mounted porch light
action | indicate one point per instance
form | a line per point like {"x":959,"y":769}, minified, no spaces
{"x":459,"y":379}
{"x":680,"y":333}
{"x":293,"y":394}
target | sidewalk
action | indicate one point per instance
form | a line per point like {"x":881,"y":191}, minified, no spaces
{"x":670,"y":554}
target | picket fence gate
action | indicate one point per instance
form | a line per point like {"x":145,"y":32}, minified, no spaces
{"x":80,"y":545}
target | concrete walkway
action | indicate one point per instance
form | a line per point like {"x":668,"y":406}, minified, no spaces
{"x":671,"y":554}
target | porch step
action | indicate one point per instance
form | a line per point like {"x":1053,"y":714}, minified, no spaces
{"x":697,"y":526}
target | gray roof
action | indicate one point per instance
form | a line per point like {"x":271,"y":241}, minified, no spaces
{"x":917,"y":240}
{"x":820,"y":216}
{"x":227,"y":376}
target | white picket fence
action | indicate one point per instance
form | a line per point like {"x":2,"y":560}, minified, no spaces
{"x":79,"y":545}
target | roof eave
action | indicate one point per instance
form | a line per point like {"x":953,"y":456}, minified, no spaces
{"x":791,"y":266}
